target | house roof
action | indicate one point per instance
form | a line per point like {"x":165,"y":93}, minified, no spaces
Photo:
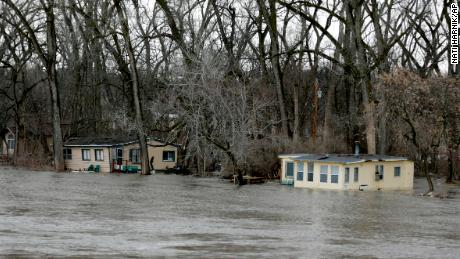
{"x":99,"y":141}
{"x":345,"y":158}
{"x":109,"y":141}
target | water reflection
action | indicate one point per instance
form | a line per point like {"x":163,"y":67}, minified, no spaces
{"x":102,"y":215}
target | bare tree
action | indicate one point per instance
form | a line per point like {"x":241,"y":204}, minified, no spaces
{"x":121,"y":11}
{"x":48,"y":58}
{"x":270,"y":17}
{"x":422,"y":112}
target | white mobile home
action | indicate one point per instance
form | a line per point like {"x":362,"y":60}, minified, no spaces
{"x":347,"y":172}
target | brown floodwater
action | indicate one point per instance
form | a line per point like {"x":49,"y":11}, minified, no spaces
{"x":46,"y":214}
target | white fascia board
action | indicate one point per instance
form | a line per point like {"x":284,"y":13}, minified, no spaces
{"x":87,"y":145}
{"x":355,"y":162}
{"x":395,"y":159}
{"x":292,"y":155}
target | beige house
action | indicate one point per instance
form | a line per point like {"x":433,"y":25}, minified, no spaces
{"x":347,"y":172}
{"x":116,"y":154}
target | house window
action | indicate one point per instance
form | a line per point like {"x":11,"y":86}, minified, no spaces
{"x":323,"y":173}
{"x":347,"y":175}
{"x":289,"y":169}
{"x":67,"y":154}
{"x":135,"y":155}
{"x":356,"y":175}
{"x":310,"y":172}
{"x":169,"y":156}
{"x":379,"y":171}
{"x":99,"y":154}
{"x":10,"y":142}
{"x":334,"y":174}
{"x":397,"y":171}
{"x":85,"y":155}
{"x":300,"y":171}
{"x":119,"y":155}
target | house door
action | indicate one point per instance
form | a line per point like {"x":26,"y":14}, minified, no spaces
{"x":119,"y":155}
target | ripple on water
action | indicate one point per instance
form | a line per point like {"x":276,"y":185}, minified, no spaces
{"x":108,"y":216}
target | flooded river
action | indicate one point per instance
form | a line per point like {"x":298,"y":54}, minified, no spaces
{"x":117,"y":216}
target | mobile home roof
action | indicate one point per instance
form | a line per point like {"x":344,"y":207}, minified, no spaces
{"x":345,"y":158}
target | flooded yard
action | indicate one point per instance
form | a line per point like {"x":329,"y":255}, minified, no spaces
{"x":108,"y":216}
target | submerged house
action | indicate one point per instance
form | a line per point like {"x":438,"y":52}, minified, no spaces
{"x":116,"y":154}
{"x":347,"y":172}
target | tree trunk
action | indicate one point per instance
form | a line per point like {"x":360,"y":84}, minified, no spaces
{"x":76,"y":69}
{"x":382,"y":132}
{"x":24,"y":140}
{"x":427,"y":174}
{"x":261,"y":47}
{"x":314,"y":113}
{"x":329,"y":109}
{"x":135,"y":88}
{"x":53,"y":84}
{"x":57,"y":132}
{"x":296,"y":127}
{"x":240,"y":177}
{"x":327,"y":127}
{"x":177,"y":34}
{"x":270,"y":19}
{"x":450,"y":167}
{"x":16,"y":145}
{"x":362,"y":77}
{"x":369,"y":110}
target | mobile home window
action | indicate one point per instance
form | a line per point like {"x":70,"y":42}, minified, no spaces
{"x":379,"y":170}
{"x":310,"y":171}
{"x":356,"y":174}
{"x":299,"y":171}
{"x":289,"y":169}
{"x":99,"y":154}
{"x":169,"y":156}
{"x":85,"y":155}
{"x":135,"y":155}
{"x":323,"y":173}
{"x":347,"y":175}
{"x":67,"y":154}
{"x":334,"y":174}
{"x":397,"y":171}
